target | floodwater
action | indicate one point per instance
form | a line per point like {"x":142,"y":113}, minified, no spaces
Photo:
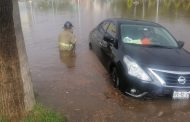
{"x":79,"y":86}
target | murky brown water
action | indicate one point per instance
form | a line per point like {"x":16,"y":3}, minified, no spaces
{"x":80,"y":86}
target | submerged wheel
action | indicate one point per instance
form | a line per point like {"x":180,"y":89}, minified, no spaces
{"x":115,"y":78}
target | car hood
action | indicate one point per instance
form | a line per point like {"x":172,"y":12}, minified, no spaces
{"x":158,"y":56}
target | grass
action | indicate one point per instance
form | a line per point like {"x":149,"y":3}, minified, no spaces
{"x":42,"y":114}
{"x":2,"y":119}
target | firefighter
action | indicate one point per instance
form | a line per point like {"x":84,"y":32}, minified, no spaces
{"x":67,"y":39}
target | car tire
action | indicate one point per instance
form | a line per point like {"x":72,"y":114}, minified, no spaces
{"x":115,"y":78}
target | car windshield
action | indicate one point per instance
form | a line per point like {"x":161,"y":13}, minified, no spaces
{"x":147,"y":36}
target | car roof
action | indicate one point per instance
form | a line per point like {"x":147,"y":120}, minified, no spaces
{"x":134,"y":22}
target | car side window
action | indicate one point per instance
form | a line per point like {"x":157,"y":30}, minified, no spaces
{"x":103,"y":27}
{"x":112,"y":30}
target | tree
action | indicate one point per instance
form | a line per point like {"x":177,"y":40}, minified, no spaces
{"x":16,"y":91}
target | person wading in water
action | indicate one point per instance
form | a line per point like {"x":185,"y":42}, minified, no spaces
{"x":67,"y":39}
{"x":67,"y":43}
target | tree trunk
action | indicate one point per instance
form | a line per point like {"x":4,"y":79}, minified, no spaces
{"x":16,"y":92}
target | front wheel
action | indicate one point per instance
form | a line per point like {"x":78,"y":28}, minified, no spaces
{"x":115,"y":78}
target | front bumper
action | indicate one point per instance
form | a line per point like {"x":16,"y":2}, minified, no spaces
{"x":154,"y":88}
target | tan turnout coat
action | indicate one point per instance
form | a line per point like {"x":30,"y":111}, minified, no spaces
{"x":67,"y":40}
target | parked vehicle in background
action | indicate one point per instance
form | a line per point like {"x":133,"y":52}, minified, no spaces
{"x":143,"y":58}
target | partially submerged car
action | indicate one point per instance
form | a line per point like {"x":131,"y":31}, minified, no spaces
{"x":143,"y":58}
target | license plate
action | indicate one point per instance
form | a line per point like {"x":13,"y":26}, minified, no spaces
{"x":181,"y":95}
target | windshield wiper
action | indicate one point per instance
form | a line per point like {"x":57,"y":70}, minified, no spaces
{"x":152,"y":45}
{"x":158,"y":46}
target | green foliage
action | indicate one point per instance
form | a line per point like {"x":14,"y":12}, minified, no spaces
{"x":41,"y":114}
{"x":2,"y":119}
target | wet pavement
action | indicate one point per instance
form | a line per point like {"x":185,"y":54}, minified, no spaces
{"x":78,"y":85}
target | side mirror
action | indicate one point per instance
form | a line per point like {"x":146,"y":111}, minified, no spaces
{"x":181,"y":44}
{"x":111,"y":40}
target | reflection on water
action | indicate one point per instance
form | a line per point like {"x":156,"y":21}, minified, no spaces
{"x":148,"y":9}
{"x":68,"y":58}
{"x":65,"y":90}
{"x":86,"y":14}
{"x":121,"y":8}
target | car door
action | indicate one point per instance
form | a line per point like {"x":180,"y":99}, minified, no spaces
{"x":98,"y":36}
{"x":107,"y":47}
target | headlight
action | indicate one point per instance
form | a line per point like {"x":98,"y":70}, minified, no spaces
{"x":135,"y":70}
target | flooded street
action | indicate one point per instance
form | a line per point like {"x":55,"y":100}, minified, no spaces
{"x":79,"y":86}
